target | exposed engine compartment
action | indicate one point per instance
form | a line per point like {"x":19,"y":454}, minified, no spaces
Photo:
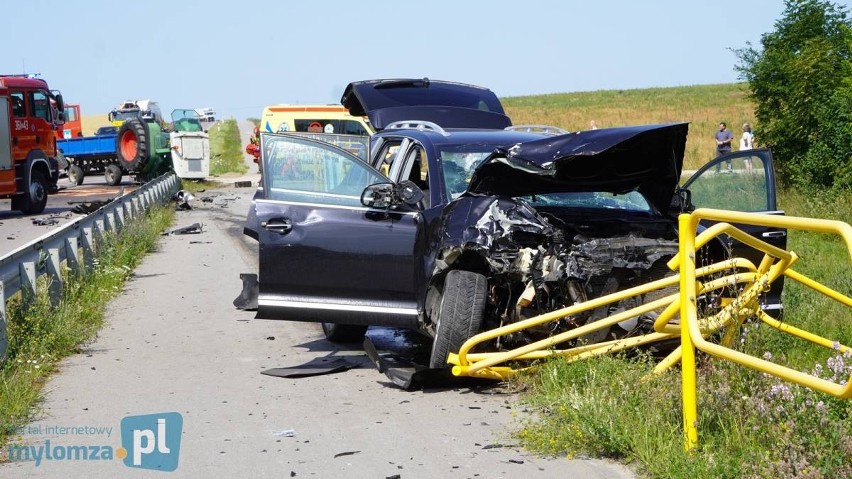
{"x":538,"y":263}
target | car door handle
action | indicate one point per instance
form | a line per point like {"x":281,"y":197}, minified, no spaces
{"x":278,"y":225}
{"x":774,"y":234}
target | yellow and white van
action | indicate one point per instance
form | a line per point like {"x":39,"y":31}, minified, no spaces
{"x":313,"y":118}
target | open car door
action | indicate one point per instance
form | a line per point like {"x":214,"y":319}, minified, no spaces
{"x":743,"y":181}
{"x":324,"y":257}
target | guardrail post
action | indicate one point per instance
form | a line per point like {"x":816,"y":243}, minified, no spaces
{"x":54,"y":276}
{"x":146,"y":198}
{"x":4,"y":336}
{"x":109,"y":221}
{"x":28,"y":280}
{"x":88,"y":244}
{"x":118,"y":211}
{"x":133,"y":207}
{"x":72,"y":254}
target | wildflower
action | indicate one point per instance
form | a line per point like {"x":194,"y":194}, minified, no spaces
{"x":767,"y":356}
{"x":782,"y":391}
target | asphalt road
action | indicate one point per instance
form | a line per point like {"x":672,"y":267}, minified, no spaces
{"x":175,"y":343}
{"x":17,"y":229}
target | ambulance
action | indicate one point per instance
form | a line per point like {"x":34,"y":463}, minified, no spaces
{"x":314,"y":119}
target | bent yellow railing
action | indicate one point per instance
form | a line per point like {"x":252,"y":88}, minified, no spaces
{"x":682,"y":307}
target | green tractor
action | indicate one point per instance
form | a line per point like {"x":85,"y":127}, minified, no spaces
{"x":142,"y":147}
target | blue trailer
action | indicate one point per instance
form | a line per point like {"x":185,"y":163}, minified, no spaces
{"x":93,"y":154}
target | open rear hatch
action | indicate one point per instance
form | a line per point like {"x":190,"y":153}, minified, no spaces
{"x":449,"y":104}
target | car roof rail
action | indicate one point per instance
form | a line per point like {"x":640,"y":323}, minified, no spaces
{"x":546,"y":129}
{"x":417,"y":125}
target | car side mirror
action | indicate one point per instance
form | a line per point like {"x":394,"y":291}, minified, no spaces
{"x":385,"y":195}
{"x":380,"y":195}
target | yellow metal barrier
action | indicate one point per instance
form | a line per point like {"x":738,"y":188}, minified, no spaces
{"x":691,"y":336}
{"x":679,"y":312}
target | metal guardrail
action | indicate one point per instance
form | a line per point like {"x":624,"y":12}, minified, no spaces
{"x":680,"y":317}
{"x":74,"y":244}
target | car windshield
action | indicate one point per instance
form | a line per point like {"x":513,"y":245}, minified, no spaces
{"x":459,"y":162}
{"x":125,"y":115}
{"x":631,"y":201}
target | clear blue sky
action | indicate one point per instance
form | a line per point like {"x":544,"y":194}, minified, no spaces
{"x":238,"y":56}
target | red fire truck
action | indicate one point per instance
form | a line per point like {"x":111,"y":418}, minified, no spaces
{"x":30,"y":113}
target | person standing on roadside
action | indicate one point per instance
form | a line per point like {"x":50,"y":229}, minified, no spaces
{"x":724,"y":137}
{"x":747,"y":143}
{"x":747,"y":140}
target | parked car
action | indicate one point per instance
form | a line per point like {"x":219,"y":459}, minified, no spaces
{"x":106,"y":130}
{"x":457,"y":225}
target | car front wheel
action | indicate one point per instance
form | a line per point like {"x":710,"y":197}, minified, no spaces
{"x":460,"y":314}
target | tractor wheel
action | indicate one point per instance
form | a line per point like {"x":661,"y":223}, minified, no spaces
{"x":132,"y":144}
{"x":75,"y":175}
{"x":112,"y":174}
{"x":35,"y":199}
{"x":460,"y":316}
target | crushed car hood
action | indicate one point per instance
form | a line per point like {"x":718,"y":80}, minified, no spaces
{"x":449,"y":104}
{"x":646,"y":158}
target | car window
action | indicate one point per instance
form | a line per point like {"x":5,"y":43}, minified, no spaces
{"x":631,"y":201}
{"x":458,"y":165}
{"x":301,"y":170}
{"x":739,"y":185}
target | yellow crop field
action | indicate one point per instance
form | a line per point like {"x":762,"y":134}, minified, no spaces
{"x":702,"y":106}
{"x":93,"y":122}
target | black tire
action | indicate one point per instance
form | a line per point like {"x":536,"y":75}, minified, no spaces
{"x":344,"y":333}
{"x":460,"y":314}
{"x":75,"y":175}
{"x":35,"y":198}
{"x":132,"y":145}
{"x":112,"y":174}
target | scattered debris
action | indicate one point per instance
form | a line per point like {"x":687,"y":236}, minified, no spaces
{"x":182,"y":198}
{"x":270,"y":338}
{"x":200,"y":242}
{"x":247,"y":300}
{"x":242,"y":184}
{"x":48,"y":221}
{"x":516,"y":461}
{"x":87,"y":207}
{"x":314,"y":367}
{"x":285,"y":433}
{"x":409,"y":375}
{"x":346,"y":453}
{"x":192,"y":229}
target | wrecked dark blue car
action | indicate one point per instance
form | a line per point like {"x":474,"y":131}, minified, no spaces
{"x":460,"y":223}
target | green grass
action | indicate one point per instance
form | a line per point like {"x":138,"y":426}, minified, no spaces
{"x":226,"y":152}
{"x":41,"y":335}
{"x":750,"y":425}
